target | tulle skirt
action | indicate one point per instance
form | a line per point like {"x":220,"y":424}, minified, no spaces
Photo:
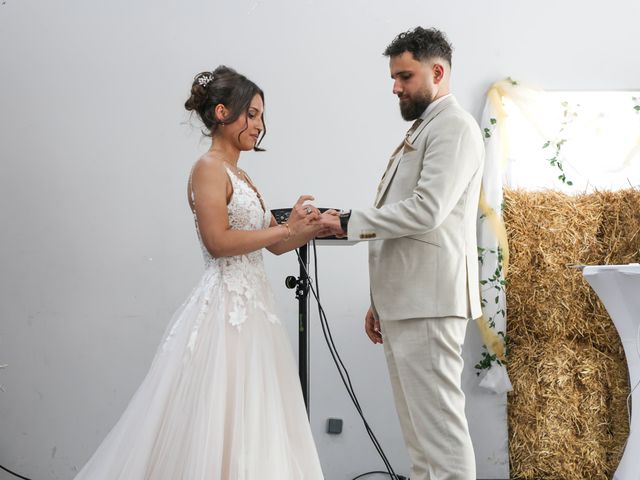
{"x":221,"y":400}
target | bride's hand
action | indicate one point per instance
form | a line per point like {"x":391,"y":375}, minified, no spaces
{"x":325,"y":230}
{"x":302,"y":214}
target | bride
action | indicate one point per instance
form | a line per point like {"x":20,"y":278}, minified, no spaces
{"x":222,"y":399}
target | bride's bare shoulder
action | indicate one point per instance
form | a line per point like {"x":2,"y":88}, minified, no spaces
{"x":210,"y":167}
{"x":209,"y":179}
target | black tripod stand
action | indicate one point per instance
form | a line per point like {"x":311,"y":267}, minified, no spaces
{"x":301,"y":284}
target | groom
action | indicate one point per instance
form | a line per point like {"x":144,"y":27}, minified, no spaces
{"x":424,"y":267}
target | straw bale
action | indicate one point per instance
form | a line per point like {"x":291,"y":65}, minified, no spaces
{"x":567,"y":412}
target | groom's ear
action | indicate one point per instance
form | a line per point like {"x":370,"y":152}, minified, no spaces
{"x":438,"y":72}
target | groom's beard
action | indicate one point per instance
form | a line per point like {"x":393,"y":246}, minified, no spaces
{"x":412,"y":107}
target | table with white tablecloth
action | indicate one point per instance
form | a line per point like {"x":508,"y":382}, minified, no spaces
{"x":618,"y":287}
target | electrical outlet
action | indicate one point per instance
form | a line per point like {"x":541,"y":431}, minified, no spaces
{"x":334,"y":426}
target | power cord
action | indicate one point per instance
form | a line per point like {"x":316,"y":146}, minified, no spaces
{"x":342,"y":370}
{"x":379,"y":472}
{"x":13,"y":473}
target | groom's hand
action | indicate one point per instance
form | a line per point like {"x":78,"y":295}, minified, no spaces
{"x":330,"y":222}
{"x":372,"y":327}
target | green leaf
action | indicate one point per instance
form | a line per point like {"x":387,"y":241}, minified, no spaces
{"x":547,"y":143}
{"x":493,"y":121}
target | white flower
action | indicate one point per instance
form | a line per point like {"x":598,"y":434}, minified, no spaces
{"x":237,"y":317}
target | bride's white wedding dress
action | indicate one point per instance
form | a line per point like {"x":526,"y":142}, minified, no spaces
{"x":222,"y":398}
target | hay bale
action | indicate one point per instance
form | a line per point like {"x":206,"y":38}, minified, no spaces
{"x":567,"y":412}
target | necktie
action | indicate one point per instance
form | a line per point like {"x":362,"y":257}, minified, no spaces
{"x":395,"y":152}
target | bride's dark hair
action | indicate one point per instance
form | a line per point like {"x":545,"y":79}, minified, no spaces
{"x":222,"y":86}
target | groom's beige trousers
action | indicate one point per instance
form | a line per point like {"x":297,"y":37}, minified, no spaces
{"x":425,"y":365}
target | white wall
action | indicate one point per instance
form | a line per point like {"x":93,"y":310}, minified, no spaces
{"x":97,"y":244}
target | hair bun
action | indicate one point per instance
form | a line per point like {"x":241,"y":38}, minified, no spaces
{"x":198,"y":96}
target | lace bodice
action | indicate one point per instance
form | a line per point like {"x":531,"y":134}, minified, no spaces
{"x":242,"y":277}
{"x":246,"y":211}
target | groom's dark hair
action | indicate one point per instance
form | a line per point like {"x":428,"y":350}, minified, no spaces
{"x":423,"y":43}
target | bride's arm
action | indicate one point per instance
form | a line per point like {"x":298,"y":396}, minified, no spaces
{"x":212,"y":189}
{"x":298,"y":238}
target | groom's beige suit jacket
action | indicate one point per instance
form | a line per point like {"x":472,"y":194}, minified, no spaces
{"x":425,"y":260}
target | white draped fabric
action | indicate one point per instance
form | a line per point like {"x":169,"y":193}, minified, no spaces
{"x":573,"y":142}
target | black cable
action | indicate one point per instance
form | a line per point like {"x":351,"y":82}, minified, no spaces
{"x":336,"y":356}
{"x":342,"y":370}
{"x":13,"y":473}
{"x":379,"y":472}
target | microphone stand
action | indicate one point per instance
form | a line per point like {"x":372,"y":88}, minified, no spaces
{"x":301,"y":284}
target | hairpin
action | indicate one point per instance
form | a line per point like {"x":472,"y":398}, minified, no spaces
{"x":205,"y":79}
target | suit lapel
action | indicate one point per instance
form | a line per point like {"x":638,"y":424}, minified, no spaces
{"x":439,"y":108}
{"x":409,"y":145}
{"x":389,"y":175}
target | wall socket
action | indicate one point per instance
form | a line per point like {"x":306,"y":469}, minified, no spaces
{"x":334,"y":426}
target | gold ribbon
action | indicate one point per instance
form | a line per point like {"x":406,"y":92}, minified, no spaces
{"x":493,"y":341}
{"x":498,"y":227}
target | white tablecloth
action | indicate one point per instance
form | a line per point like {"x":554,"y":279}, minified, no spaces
{"x":618,"y":286}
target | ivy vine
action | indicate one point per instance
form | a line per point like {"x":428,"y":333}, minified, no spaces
{"x":489,"y":130}
{"x":495,"y":284}
{"x":556,"y":160}
{"x":489,"y":358}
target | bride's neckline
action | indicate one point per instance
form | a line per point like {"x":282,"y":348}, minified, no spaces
{"x":244,"y":178}
{"x":235,"y":169}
